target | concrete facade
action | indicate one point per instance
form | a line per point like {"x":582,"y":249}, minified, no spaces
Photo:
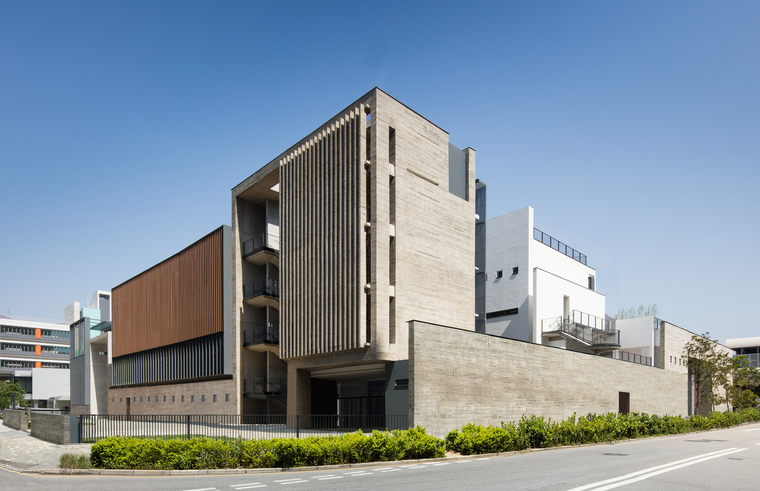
{"x":458,"y":377}
{"x":376,"y":222}
{"x":16,"y":419}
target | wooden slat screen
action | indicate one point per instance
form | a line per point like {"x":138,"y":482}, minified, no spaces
{"x":176,"y":300}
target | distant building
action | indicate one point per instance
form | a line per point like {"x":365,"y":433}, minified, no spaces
{"x":749,"y":347}
{"x":90,"y":353}
{"x":36,"y":355}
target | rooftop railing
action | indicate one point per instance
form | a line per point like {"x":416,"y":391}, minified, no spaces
{"x":559,"y":246}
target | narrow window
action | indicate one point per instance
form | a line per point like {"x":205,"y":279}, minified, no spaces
{"x":174,"y":399}
{"x":591,"y":282}
{"x":203,"y":398}
{"x":214,"y":397}
{"x":192,"y":398}
{"x":392,"y":146}
{"x":164,"y":398}
{"x":499,"y":274}
{"x":226,"y":398}
{"x":515,"y":270}
{"x":183,"y":399}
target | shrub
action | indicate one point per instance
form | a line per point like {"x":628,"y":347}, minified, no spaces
{"x":205,"y":453}
{"x":70,"y":462}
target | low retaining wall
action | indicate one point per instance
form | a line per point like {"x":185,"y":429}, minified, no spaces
{"x":458,"y":377}
{"x":16,"y":419}
{"x":53,"y":428}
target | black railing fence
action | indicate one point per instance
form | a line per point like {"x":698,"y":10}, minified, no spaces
{"x":94,"y":427}
{"x":559,"y":246}
{"x":632,"y":358}
{"x":260,"y":242}
{"x":261,"y":286}
{"x":264,"y":333}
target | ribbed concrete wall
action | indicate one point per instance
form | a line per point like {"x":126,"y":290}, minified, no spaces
{"x":458,"y":377}
{"x":321,"y":241}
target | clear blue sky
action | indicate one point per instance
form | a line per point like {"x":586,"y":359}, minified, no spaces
{"x":632,"y":128}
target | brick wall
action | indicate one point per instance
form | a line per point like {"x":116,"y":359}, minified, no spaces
{"x":198,"y":398}
{"x":459,"y":377}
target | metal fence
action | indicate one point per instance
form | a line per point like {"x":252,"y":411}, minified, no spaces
{"x":94,"y":427}
{"x":632,"y":358}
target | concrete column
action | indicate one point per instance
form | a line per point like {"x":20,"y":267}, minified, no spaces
{"x":299,"y":391}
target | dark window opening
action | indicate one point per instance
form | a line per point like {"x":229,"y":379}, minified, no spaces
{"x":515,"y":270}
{"x":499,"y":274}
{"x":501,"y":313}
{"x":401,"y":384}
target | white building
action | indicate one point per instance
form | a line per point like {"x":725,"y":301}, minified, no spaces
{"x":749,"y":347}
{"x":36,"y":355}
{"x":540,"y":290}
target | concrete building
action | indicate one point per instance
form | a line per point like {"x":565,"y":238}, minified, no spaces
{"x":90,"y":329}
{"x":540,"y":290}
{"x":173,"y":350}
{"x":36,"y":355}
{"x":361,"y":226}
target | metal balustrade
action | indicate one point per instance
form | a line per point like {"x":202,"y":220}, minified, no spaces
{"x":559,"y":246}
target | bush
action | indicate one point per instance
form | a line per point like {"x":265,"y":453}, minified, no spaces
{"x":537,"y":432}
{"x":205,"y":453}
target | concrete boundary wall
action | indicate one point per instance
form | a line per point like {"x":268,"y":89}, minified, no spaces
{"x":15,"y":419}
{"x":53,"y":428}
{"x":458,"y":377}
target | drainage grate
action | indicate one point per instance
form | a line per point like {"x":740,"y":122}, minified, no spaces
{"x":617,"y":454}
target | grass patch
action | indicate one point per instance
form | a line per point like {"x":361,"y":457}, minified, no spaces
{"x":70,"y":462}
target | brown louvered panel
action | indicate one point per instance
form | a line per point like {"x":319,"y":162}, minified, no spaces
{"x":176,"y":300}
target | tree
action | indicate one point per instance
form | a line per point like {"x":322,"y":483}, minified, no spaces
{"x":710,"y":370}
{"x":639,"y":311}
{"x":741,"y":393}
{"x":6,"y":390}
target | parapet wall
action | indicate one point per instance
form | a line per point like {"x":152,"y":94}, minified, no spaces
{"x":458,"y":377}
{"x":53,"y":428}
{"x":15,"y":419}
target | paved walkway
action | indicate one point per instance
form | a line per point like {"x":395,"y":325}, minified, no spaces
{"x":21,"y":452}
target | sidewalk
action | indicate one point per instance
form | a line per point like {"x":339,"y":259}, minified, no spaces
{"x":20,"y":452}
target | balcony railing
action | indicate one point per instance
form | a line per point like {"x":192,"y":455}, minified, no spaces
{"x":264,"y":387}
{"x":260,"y":242}
{"x":260,"y":334}
{"x":261,"y":286}
{"x":559,"y":246}
{"x":587,"y":328}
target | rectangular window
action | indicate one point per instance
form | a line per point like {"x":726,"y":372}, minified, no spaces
{"x":391,"y":145}
{"x":192,"y":398}
{"x":183,"y":399}
{"x":401,"y":384}
{"x":500,"y":274}
{"x":501,"y":313}
{"x":515,"y":270}
{"x":226,"y":398}
{"x":174,"y":398}
{"x":140,"y":399}
{"x":214,"y":399}
{"x":203,"y":398}
{"x":164,"y":398}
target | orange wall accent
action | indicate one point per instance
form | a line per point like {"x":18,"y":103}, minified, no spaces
{"x":38,"y":349}
{"x":176,"y":300}
{"x":39,"y":364}
{"x":38,"y":334}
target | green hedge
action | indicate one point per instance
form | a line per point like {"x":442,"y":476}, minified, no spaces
{"x":537,"y":432}
{"x":205,"y":453}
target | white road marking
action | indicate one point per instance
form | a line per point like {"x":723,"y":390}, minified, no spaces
{"x":324,"y":475}
{"x":757,"y":443}
{"x":354,"y":472}
{"x":293,"y":482}
{"x":440,"y":463}
{"x":653,"y":471}
{"x":246,"y":484}
{"x":252,"y":486}
{"x":362,"y":474}
{"x":201,"y":489}
{"x":391,"y":470}
{"x":326,"y":478}
{"x":754,"y":429}
{"x":382,"y":468}
{"x":486,"y":458}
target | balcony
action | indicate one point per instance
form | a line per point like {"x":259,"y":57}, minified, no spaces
{"x":559,"y":246}
{"x":262,"y":292}
{"x":261,"y":337}
{"x":262,"y":249}
{"x":596,"y":333}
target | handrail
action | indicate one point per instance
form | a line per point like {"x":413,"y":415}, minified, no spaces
{"x":265,"y":386}
{"x":261,"y":286}
{"x":559,"y":246}
{"x":261,"y":241}
{"x":266,"y":333}
{"x":577,"y":325}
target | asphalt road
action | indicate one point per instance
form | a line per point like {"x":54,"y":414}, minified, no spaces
{"x":724,"y":459}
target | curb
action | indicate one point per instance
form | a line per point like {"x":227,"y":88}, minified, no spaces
{"x":274,"y":470}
